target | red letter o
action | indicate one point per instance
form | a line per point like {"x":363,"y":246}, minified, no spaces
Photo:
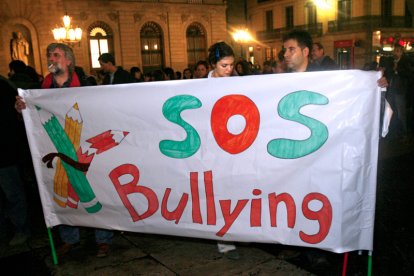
{"x":225,"y":108}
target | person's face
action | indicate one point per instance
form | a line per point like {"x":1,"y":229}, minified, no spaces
{"x":224,"y":67}
{"x":187,"y":74}
{"x":239,"y":68}
{"x":105,"y":66}
{"x":296,"y":58}
{"x":398,"y":52}
{"x":57,"y":62}
{"x":316,"y":52}
{"x":201,"y":71}
{"x":137,"y":75}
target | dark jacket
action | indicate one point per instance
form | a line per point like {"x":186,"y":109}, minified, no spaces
{"x":400,"y":78}
{"x":10,"y":139}
{"x":327,"y":64}
{"x":120,"y":76}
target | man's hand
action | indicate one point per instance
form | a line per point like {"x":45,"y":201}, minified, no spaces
{"x":20,"y":104}
{"x":382,"y":82}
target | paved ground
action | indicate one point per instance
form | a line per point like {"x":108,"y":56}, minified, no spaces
{"x":139,"y":254}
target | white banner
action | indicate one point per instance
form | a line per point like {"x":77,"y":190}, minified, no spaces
{"x":286,"y":158}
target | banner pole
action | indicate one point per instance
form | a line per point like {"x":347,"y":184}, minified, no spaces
{"x":52,"y":246}
{"x":345,"y":264}
{"x":369,"y":263}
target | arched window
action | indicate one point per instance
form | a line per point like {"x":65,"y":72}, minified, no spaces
{"x":151,"y":47}
{"x":196,"y":44}
{"x":100,"y":41}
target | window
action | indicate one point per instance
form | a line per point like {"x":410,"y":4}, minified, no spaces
{"x":269,"y":20}
{"x":100,"y":41}
{"x":344,"y":10}
{"x":386,"y":12}
{"x":151,"y":47}
{"x":289,"y":16}
{"x":271,"y":54}
{"x":196,"y":44}
{"x":311,"y":14}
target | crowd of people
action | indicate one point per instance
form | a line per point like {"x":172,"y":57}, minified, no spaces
{"x":299,"y":54}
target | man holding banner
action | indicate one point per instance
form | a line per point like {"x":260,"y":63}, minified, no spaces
{"x":298,"y":46}
{"x":61,"y":65}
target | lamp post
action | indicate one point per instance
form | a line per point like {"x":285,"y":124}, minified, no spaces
{"x":242,"y":36}
{"x":67,"y":34}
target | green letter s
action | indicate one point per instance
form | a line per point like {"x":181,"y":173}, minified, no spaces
{"x":288,"y":109}
{"x":172,"y":109}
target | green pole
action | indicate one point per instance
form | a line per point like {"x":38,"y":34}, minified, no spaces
{"x":52,"y":246}
{"x":369,"y":263}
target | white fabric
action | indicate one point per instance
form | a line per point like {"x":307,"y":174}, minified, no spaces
{"x":330,"y":190}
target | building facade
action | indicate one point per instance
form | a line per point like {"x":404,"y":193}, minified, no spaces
{"x":150,"y":34}
{"x":353,"y":32}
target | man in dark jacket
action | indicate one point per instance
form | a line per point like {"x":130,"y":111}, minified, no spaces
{"x":114,"y":74}
{"x":61,"y":65}
{"x":319,"y":58}
{"x":398,"y":90}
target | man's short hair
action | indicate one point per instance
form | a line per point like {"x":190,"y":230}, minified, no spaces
{"x":107,"y":57}
{"x":17,"y":66}
{"x":303,"y":38}
{"x":67,"y":50}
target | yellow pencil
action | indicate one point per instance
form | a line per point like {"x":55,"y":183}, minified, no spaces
{"x":73,"y":128}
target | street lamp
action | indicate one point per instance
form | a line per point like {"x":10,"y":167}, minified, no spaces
{"x":242,"y":36}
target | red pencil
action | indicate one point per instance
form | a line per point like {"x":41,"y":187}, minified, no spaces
{"x":106,"y":140}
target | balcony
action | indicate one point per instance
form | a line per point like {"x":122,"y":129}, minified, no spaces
{"x":277,"y":34}
{"x":369,"y":23}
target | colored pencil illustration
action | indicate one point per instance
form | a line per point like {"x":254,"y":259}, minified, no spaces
{"x":64,"y":146}
{"x":98,"y":144}
{"x":107,"y":140}
{"x":73,"y":128}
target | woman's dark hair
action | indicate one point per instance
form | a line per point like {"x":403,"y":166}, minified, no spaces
{"x":134,"y":70}
{"x":169,"y":72}
{"x":218,"y":51}
{"x":158,"y":75}
{"x":245,"y":67}
{"x":202,"y":62}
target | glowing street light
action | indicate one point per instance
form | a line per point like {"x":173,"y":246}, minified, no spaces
{"x":242,"y":36}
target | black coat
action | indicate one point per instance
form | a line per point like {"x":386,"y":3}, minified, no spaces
{"x":120,"y":76}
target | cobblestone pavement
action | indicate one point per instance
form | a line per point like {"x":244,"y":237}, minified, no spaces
{"x":140,"y":254}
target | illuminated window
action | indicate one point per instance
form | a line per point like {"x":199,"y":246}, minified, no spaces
{"x":151,"y":47}
{"x":196,"y":44}
{"x":271,"y":54}
{"x":100,"y":41}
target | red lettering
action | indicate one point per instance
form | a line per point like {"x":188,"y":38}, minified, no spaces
{"x":211,"y":205}
{"x":230,"y":217}
{"x":290,"y":208}
{"x":229,"y":106}
{"x":195,"y":198}
{"x":178,"y":212}
{"x":256,"y":210}
{"x":323,"y":216}
{"x":125,"y":189}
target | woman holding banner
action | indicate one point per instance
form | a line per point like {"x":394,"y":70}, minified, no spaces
{"x":221,"y":58}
